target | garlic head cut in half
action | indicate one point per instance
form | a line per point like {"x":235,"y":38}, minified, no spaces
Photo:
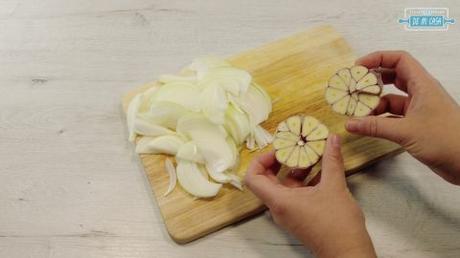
{"x":354,"y":91}
{"x":299,"y":141}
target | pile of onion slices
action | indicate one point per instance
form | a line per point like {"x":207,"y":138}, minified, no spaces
{"x":204,"y":116}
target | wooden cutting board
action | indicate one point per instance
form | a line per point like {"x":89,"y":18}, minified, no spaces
{"x":294,"y":71}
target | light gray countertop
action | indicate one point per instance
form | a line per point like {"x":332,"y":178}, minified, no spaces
{"x":70,"y":185}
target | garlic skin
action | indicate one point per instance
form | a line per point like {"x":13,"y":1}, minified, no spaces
{"x":354,"y":91}
{"x":300,"y":141}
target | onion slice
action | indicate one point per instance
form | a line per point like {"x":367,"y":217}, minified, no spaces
{"x":145,"y":128}
{"x":210,"y":140}
{"x":167,"y":144}
{"x":201,"y":66}
{"x":232,"y":80}
{"x":255,"y":103}
{"x":262,"y":137}
{"x":214,"y":104}
{"x":131,"y":113}
{"x":237,"y":123}
{"x":164,"y":113}
{"x":191,"y":179}
{"x":169,"y":166}
{"x":189,"y":151}
{"x":182,"y":93}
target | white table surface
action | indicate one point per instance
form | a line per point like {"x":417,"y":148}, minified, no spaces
{"x":69,"y":183}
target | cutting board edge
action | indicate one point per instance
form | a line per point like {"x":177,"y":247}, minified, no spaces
{"x":187,"y":238}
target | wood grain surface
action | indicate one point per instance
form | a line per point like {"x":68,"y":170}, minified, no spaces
{"x":294,"y":72}
{"x":70,"y":185}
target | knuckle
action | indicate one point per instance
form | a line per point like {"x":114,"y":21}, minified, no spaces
{"x":372,"y":126}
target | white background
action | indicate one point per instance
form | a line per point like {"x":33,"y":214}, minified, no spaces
{"x":69,"y":183}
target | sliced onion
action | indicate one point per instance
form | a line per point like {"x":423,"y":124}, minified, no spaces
{"x":214,"y":103}
{"x":218,"y":176}
{"x":210,"y":140}
{"x":167,"y":144}
{"x":236,"y":182}
{"x":164,"y":113}
{"x":251,"y":142}
{"x":203,"y":116}
{"x":237,"y":123}
{"x":147,"y":98}
{"x":189,"y":151}
{"x":232,"y":80}
{"x":131,"y":113}
{"x":201,"y":66}
{"x":169,"y":166}
{"x":255,"y":103}
{"x":224,"y":176}
{"x":185,"y":94}
{"x":262,"y":137}
{"x":145,"y":128}
{"x":191,"y":179}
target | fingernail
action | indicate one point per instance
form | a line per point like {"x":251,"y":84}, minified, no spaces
{"x":352,"y":125}
{"x":335,"y":140}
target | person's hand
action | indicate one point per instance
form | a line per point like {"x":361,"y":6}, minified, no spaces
{"x":429,"y":123}
{"x":325,"y":217}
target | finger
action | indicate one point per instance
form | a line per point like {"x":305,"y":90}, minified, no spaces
{"x":261,"y":180}
{"x":388,"y":75}
{"x":266,"y":160}
{"x":266,"y":165}
{"x":393,"y":129}
{"x":332,"y":169}
{"x":405,"y":66}
{"x":392,"y":103}
{"x":295,"y":178}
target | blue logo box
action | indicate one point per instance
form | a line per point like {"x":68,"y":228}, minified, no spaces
{"x":427,"y":19}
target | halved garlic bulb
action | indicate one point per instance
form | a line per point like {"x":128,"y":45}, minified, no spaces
{"x":354,"y":91}
{"x":300,"y":141}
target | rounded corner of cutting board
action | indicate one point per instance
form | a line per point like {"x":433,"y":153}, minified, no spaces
{"x":181,"y":236}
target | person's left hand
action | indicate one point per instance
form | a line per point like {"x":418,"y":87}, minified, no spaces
{"x":325,"y":217}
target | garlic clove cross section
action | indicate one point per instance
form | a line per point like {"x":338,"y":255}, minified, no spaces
{"x":299,"y":141}
{"x":354,"y":91}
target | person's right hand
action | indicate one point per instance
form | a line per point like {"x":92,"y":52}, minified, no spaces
{"x":429,"y":128}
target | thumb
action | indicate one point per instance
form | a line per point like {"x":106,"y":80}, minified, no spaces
{"x":332,"y":169}
{"x":376,"y":126}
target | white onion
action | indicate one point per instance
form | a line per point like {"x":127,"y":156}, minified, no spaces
{"x":182,"y":93}
{"x":189,"y":151}
{"x":169,"y":166}
{"x":131,"y":113}
{"x":202,"y":116}
{"x":167,"y":144}
{"x":145,"y":128}
{"x":191,"y":179}
{"x":210,"y":140}
{"x":214,"y":103}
